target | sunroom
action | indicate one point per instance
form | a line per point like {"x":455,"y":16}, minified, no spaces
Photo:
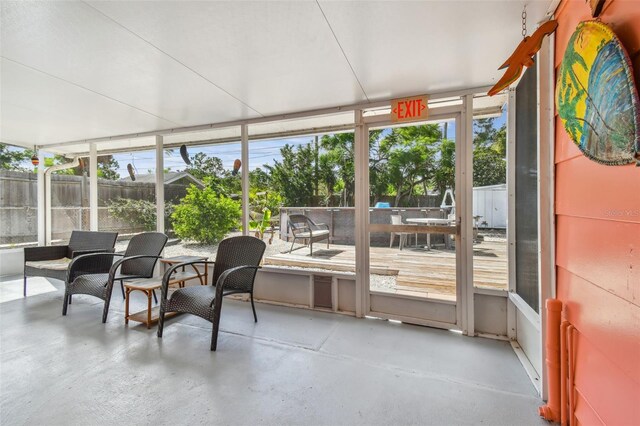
{"x":413,"y":292}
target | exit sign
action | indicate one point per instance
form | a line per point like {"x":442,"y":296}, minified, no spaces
{"x":409,"y":109}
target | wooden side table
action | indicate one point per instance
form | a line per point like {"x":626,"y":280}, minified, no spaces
{"x":148,"y":285}
{"x":169,"y":261}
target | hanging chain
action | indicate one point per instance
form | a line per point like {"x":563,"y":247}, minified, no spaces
{"x":524,"y":21}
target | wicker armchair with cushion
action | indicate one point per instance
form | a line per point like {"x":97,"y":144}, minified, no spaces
{"x":234,"y":271}
{"x":53,"y":261}
{"x":303,"y":228}
{"x":94,"y":274}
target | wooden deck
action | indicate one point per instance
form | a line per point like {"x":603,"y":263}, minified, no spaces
{"x":417,"y":272}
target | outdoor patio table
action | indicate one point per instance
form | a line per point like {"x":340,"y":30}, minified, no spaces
{"x":433,"y":221}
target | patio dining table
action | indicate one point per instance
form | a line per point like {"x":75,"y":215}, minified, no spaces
{"x":433,"y":221}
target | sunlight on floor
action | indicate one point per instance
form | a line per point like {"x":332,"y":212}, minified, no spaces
{"x":12,"y":289}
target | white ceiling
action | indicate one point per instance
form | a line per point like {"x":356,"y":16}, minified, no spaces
{"x":81,"y":70}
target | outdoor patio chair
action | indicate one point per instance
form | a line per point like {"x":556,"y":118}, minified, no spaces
{"x":396,"y":219}
{"x":53,"y":261}
{"x":94,"y":274}
{"x":303,"y":228}
{"x":234,"y":271}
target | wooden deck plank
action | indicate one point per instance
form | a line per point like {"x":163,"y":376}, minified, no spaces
{"x":417,"y":271}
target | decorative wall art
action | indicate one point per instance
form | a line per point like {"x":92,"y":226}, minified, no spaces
{"x":596,"y":96}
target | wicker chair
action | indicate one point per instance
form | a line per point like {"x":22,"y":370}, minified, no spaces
{"x":53,"y":261}
{"x":303,"y":228}
{"x":94,"y":274}
{"x":234,"y":271}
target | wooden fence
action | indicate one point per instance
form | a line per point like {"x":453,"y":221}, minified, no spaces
{"x":69,"y":204}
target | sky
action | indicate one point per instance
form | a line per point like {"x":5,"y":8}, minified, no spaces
{"x":260,"y":153}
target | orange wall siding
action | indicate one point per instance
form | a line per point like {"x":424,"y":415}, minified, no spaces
{"x":598,"y":249}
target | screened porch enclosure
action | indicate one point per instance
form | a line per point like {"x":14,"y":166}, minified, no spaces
{"x":422,"y":260}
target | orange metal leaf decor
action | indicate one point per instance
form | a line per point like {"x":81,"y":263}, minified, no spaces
{"x":523,"y":56}
{"x":131,"y":171}
{"x":236,"y":167}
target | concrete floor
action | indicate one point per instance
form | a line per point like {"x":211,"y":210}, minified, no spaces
{"x":293,"y":367}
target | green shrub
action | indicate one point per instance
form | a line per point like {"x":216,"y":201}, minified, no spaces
{"x":137,"y":213}
{"x":204,"y":216}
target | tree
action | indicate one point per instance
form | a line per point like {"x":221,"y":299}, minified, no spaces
{"x":379,"y":179}
{"x":500,"y":142}
{"x":483,"y":131}
{"x":210,"y":170}
{"x":293,"y":177}
{"x":259,"y":179}
{"x":14,"y":159}
{"x":411,"y":158}
{"x":489,"y":168}
{"x":485,"y":134}
{"x":489,"y":151}
{"x":327,"y":177}
{"x":339,"y":151}
{"x":445,"y":170}
{"x":204,"y":166}
{"x":339,"y":156}
{"x":108,"y":167}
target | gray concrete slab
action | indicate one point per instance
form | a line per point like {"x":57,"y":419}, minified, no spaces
{"x":292,"y":367}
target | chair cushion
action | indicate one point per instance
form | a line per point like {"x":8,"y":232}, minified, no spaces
{"x":318,"y":233}
{"x":54,"y":265}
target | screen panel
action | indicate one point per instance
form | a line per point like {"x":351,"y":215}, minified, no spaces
{"x":526,"y":227}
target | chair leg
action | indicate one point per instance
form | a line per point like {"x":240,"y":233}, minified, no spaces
{"x":70,"y":300}
{"x":122,"y":288}
{"x":161,"y":321}
{"x":217,"y":311}
{"x":253,"y":307}
{"x":393,"y":237}
{"x":67,"y":297}
{"x":105,"y":311}
{"x":155,"y":298}
{"x":292,"y":243}
{"x":214,"y":332}
{"x":24,"y":287}
{"x":311,"y":247}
